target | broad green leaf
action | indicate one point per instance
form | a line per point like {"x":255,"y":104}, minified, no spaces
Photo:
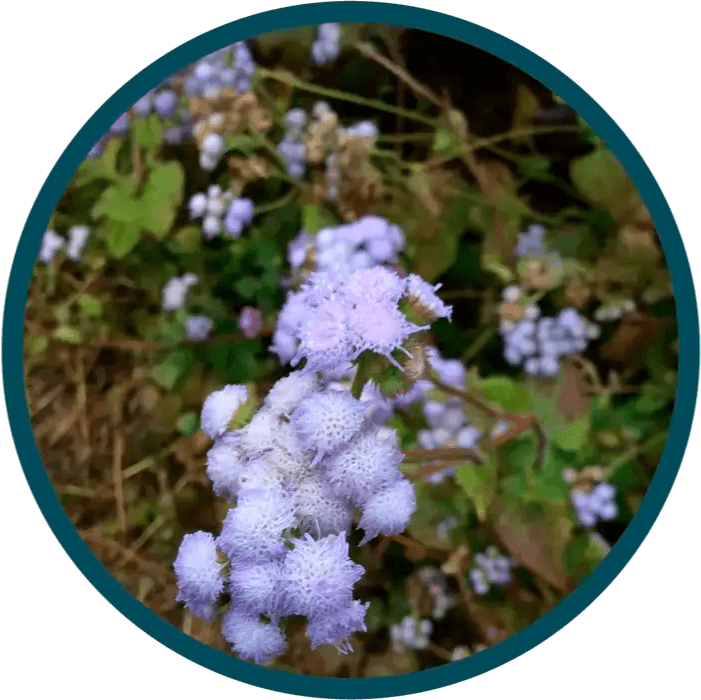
{"x":103,"y":167}
{"x":314,"y":218}
{"x":148,"y":132}
{"x":509,"y":395}
{"x":168,"y":372}
{"x":91,"y":305}
{"x":118,"y":203}
{"x":479,"y":483}
{"x":161,"y":198}
{"x":574,"y":435}
{"x":121,"y":237}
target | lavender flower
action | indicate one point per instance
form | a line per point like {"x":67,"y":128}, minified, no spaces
{"x":77,"y":239}
{"x":252,"y":639}
{"x":198,"y":327}
{"x":597,"y":504}
{"x":388,"y":511}
{"x":220,"y":407}
{"x":175,"y":291}
{"x":51,"y":243}
{"x":250,"y":321}
{"x":198,"y":573}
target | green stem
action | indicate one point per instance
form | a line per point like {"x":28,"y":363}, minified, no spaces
{"x":362,"y":375}
{"x":378,"y":105}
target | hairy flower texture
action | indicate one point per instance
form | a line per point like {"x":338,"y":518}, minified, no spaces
{"x":258,"y":436}
{"x":376,"y":284}
{"x":220,"y":407}
{"x":451,"y":372}
{"x":328,"y":419}
{"x":224,"y":469}
{"x":286,"y":336}
{"x":367,"y":466}
{"x":254,"y":588}
{"x":252,"y":531}
{"x":252,"y":639}
{"x":388,"y":511}
{"x":382,"y":407}
{"x":424,"y":301}
{"x":198,"y":573}
{"x":324,"y":338}
{"x":318,"y":576}
{"x":287,"y":393}
{"x":319,"y":510}
{"x":597,"y":504}
{"x":335,"y":628}
{"x":381,"y":328}
{"x":258,"y":475}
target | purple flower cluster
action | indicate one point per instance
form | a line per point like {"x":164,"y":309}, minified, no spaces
{"x":326,"y":46}
{"x":51,"y":243}
{"x":298,"y":471}
{"x":231,"y":66}
{"x":175,"y":291}
{"x":164,"y":103}
{"x":411,"y":633}
{"x":292,"y":148}
{"x":491,"y":568}
{"x":250,"y":321}
{"x":437,"y":586}
{"x":597,"y":504}
{"x":531,"y":241}
{"x":539,"y":342}
{"x":210,"y":206}
{"x":198,"y":327}
{"x":335,"y":318}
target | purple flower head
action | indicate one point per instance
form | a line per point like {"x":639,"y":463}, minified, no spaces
{"x":368,"y":465}
{"x":337,"y":626}
{"x":254,"y":588}
{"x":96,"y":150}
{"x":252,"y":531}
{"x":143,"y":106}
{"x":77,"y":239}
{"x":531,"y":241}
{"x":165,"y":103}
{"x":287,"y":393}
{"x":297,"y":249}
{"x":198,"y":573}
{"x":326,"y":420}
{"x":51,"y":243}
{"x":239,"y":215}
{"x":320,"y":511}
{"x":121,"y":126}
{"x":220,"y":407}
{"x":382,"y":407}
{"x":250,"y":321}
{"x":175,"y":291}
{"x":388,"y":511}
{"x":252,"y":639}
{"x":224,"y":468}
{"x":260,"y":433}
{"x":318,"y":576}
{"x":198,"y":327}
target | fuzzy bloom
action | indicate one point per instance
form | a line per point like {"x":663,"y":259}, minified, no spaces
{"x":239,"y":215}
{"x":326,"y":420}
{"x":51,"y":243}
{"x":220,"y":407}
{"x":224,"y":468}
{"x":252,"y":639}
{"x":250,"y":321}
{"x":388,"y":511}
{"x":318,"y":576}
{"x":320,"y":511}
{"x":77,"y":239}
{"x":252,"y":531}
{"x":382,"y":407}
{"x":260,"y":433}
{"x":198,"y":327}
{"x":198,"y":573}
{"x":336,"y":627}
{"x":254,"y":588}
{"x":165,"y":103}
{"x":365,"y":467}
{"x":197,"y":205}
{"x":411,"y":633}
{"x":287,"y":393}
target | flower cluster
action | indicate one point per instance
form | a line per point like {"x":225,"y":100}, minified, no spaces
{"x":250,"y":321}
{"x":411,"y":633}
{"x":538,"y":343}
{"x":599,"y":503}
{"x":198,"y":327}
{"x":231,"y":66}
{"x":51,"y":243}
{"x":210,"y":206}
{"x":298,"y":471}
{"x":437,"y":586}
{"x":365,"y":243}
{"x":292,"y":148}
{"x":491,"y":568}
{"x":326,"y":46}
{"x":531,"y":241}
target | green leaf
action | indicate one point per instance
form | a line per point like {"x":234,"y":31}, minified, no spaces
{"x":148,"y":132}
{"x":168,"y":372}
{"x":508,"y":394}
{"x":68,"y":334}
{"x":314,"y":218}
{"x":121,"y":237}
{"x":90,"y":305}
{"x":103,"y":167}
{"x":188,"y":423}
{"x":161,"y":198}
{"x":574,"y":435}
{"x":118,"y":203}
{"x":187,"y":240}
{"x":479,"y":483}
{"x":35,"y":344}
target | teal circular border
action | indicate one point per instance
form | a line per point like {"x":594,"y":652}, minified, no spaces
{"x":589,"y":589}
